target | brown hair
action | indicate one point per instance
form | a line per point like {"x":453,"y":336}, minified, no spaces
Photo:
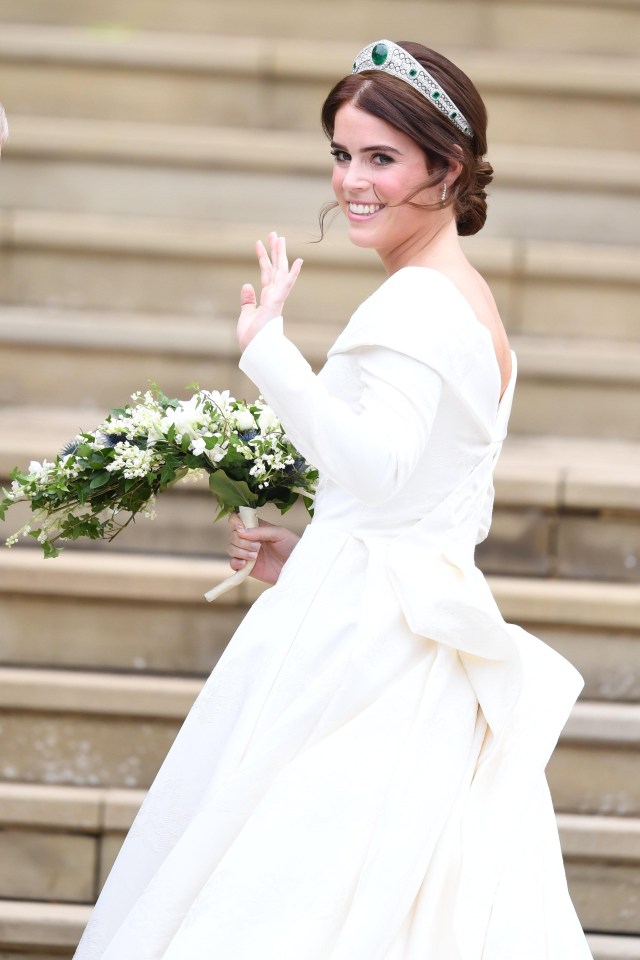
{"x":395,"y":101}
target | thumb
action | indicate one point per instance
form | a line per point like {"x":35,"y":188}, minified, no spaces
{"x":247,"y":296}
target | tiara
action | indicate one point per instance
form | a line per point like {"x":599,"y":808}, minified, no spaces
{"x":388,"y":56}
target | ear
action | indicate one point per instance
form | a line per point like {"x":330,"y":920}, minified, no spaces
{"x":455,"y":168}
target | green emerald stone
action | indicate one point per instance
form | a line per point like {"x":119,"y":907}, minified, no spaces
{"x":379,"y":54}
{"x":354,"y":66}
{"x":413,"y":72}
{"x":435,"y":94}
{"x":453,"y":115}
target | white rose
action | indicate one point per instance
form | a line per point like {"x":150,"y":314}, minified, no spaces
{"x":245,"y":420}
{"x":267,"y":420}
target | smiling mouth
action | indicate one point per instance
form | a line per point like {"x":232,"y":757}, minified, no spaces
{"x":365,"y":209}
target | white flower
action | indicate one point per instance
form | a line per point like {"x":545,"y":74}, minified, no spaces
{"x":132,"y":461}
{"x":187,"y":418}
{"x":267,"y":420}
{"x":199,"y":445}
{"x":221,"y":400}
{"x":244,"y":420}
{"x":218,"y":453}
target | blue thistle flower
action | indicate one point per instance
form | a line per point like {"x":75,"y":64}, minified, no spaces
{"x":70,"y":447}
{"x":112,"y":439}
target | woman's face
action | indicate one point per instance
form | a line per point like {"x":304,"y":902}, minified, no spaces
{"x":376,"y":167}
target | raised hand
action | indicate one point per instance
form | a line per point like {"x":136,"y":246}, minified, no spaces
{"x":277,"y":281}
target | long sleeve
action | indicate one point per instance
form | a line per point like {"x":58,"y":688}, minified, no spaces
{"x":370,"y":452}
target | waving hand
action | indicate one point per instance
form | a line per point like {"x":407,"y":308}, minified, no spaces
{"x":277,"y":281}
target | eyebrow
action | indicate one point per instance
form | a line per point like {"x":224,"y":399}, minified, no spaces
{"x":381,"y":148}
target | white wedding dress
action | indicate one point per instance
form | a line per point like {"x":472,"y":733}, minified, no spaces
{"x":362,"y":776}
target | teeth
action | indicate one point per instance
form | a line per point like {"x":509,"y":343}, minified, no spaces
{"x":364,"y":209}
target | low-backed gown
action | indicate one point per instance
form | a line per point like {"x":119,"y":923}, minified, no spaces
{"x":362,"y":776}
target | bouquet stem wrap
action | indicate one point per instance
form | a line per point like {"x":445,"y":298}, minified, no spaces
{"x":249,"y":517}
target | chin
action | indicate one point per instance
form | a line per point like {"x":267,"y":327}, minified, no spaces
{"x":360,"y":238}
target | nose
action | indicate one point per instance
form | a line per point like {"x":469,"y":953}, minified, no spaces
{"x":356,"y":177}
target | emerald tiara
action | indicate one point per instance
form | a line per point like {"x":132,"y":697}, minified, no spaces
{"x":388,"y":56}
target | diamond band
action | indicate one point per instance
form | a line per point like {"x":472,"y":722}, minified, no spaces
{"x":387,"y":56}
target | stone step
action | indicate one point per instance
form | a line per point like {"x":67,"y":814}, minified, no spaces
{"x":235,"y":174}
{"x":40,"y":931}
{"x":169,"y":266}
{"x":566,"y":26}
{"x":596,"y":766}
{"x":101,"y":729}
{"x":59,"y":843}
{"x":89,"y":729}
{"x":565,"y":386}
{"x":281,"y":82}
{"x":147,"y":614}
{"x":611,"y":947}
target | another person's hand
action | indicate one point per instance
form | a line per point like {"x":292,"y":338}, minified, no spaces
{"x":269,"y":543}
{"x":277,"y":282}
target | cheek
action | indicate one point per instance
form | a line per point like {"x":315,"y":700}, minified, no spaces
{"x":336,"y":181}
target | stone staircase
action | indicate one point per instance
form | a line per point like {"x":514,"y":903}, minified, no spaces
{"x":151,"y":144}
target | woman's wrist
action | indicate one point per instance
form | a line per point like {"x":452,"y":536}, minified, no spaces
{"x":273,"y":325}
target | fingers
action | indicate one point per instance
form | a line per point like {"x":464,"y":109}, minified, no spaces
{"x":278,"y":247}
{"x":264,"y":263}
{"x":264,"y":533}
{"x":238,"y":549}
{"x":294,"y":273}
{"x":274,"y":264}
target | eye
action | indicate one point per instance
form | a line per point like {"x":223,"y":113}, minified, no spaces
{"x":341,"y":156}
{"x":381,"y":159}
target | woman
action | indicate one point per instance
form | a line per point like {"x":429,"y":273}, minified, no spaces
{"x":362,"y":777}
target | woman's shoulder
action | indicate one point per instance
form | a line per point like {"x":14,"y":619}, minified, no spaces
{"x":419,"y":311}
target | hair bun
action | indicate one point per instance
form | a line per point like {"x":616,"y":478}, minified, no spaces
{"x":484,"y":173}
{"x":473,"y":202}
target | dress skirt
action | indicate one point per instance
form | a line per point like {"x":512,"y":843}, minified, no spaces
{"x":317,"y":800}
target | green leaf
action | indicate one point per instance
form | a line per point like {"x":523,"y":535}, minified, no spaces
{"x":231,"y":493}
{"x":100,"y":480}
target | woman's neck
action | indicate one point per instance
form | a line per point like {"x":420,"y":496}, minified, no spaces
{"x":437,"y":243}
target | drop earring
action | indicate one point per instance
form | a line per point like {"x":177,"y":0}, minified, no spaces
{"x":444,"y":194}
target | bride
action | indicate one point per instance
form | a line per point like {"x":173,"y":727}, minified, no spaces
{"x":362,"y":776}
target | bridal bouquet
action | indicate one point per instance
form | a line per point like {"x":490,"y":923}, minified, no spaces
{"x":105,"y":477}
